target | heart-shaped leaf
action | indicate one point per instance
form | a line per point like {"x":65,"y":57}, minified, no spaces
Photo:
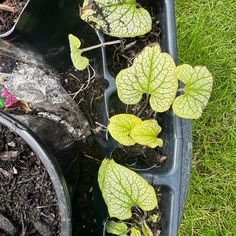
{"x":118,"y":18}
{"x":199,"y":82}
{"x":152,"y":72}
{"x":146,"y":133}
{"x":120,"y":127}
{"x":117,"y":228}
{"x":79,"y":62}
{"x":135,"y":232}
{"x":123,"y":189}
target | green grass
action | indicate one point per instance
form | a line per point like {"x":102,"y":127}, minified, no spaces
{"x":207,"y":36}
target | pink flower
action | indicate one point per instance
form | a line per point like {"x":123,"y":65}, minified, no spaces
{"x":10,"y":100}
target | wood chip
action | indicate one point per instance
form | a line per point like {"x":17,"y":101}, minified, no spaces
{"x":163,"y":158}
{"x":4,"y":7}
{"x":5,"y":173}
{"x":11,"y":144}
{"x":8,"y":155}
{"x":158,"y":233}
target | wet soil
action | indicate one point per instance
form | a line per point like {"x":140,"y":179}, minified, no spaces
{"x":8,"y":17}
{"x":27,"y":197}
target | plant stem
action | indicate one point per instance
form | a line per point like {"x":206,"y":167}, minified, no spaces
{"x":4,"y":7}
{"x":144,"y":106}
{"x":100,"y":45}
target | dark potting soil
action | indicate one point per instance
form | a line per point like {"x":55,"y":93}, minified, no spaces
{"x":27,"y":196}
{"x":87,"y":91}
{"x":8,"y":18}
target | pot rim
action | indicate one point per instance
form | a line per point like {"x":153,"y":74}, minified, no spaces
{"x":7,"y":33}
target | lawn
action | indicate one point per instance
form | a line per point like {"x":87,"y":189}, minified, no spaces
{"x":207,"y":36}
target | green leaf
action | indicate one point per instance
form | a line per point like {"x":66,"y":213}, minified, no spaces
{"x":2,"y":102}
{"x":146,"y":230}
{"x":146,"y":133}
{"x":118,"y":18}
{"x":153,"y":218}
{"x":152,"y":72}
{"x":79,"y":62}
{"x":135,"y":232}
{"x":120,"y":127}
{"x":199,"y":82}
{"x":122,"y":189}
{"x":116,"y":228}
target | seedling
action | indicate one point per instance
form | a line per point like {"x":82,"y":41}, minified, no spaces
{"x":128,"y":129}
{"x":197,"y":91}
{"x":80,"y":62}
{"x":117,"y":18}
{"x":122,"y":190}
{"x":154,"y":72}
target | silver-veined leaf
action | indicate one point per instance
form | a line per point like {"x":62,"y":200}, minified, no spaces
{"x":123,"y":189}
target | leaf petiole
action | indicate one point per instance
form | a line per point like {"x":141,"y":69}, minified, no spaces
{"x":100,"y":45}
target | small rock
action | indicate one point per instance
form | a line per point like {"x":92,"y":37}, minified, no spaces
{"x":15,"y":171}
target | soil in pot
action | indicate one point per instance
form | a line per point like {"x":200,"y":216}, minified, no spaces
{"x":28,"y":202}
{"x":9,"y":12}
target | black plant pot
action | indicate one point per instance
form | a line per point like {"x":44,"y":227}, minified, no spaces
{"x":58,"y":152}
{"x":174,"y":175}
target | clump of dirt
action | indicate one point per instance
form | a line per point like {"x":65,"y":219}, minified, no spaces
{"x":27,"y":196}
{"x":9,"y":12}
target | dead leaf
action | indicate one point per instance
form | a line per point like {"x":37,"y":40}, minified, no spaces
{"x":19,"y":105}
{"x":1,"y":80}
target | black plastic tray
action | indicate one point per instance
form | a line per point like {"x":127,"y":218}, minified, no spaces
{"x":174,"y":175}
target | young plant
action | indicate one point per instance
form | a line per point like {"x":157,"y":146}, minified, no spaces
{"x":122,"y":190}
{"x":128,"y":129}
{"x":197,"y":91}
{"x":80,"y":62}
{"x":154,"y":72}
{"x":117,"y":18}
